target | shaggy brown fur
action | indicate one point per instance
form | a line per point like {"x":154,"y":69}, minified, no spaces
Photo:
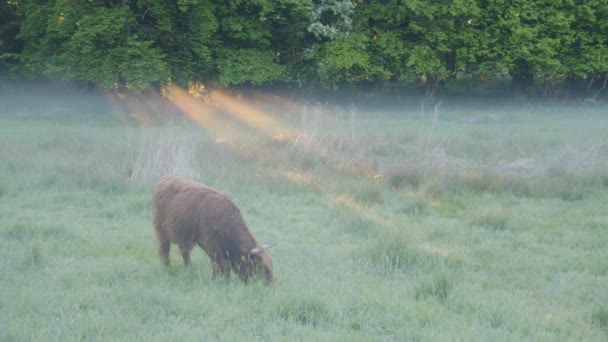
{"x":188,"y":213}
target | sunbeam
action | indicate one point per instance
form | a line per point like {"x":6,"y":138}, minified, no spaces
{"x":249,"y":114}
{"x":202,"y":114}
{"x":145,"y":112}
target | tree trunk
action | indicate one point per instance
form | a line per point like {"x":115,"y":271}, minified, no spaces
{"x":522,"y":81}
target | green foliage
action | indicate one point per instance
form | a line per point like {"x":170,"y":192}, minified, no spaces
{"x":102,"y":51}
{"x":417,"y":38}
{"x":258,"y":41}
{"x":185,"y":33}
{"x":522,"y":38}
{"x":326,"y":42}
{"x":10,"y":45}
{"x":345,"y":60}
{"x":81,"y":42}
{"x":238,"y":66}
{"x":585,"y":53}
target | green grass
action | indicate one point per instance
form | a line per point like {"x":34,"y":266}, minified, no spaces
{"x":493,"y":228}
{"x":493,"y":218}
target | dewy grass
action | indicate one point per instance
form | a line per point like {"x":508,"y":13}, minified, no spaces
{"x":414,"y":204}
{"x":305,"y":311}
{"x":438,"y":287}
{"x":494,"y":218}
{"x":405,"y":178}
{"x":393,"y":251}
{"x":368,"y":193}
{"x":600,"y":318}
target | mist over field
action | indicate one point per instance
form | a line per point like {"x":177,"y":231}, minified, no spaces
{"x":475,"y":217}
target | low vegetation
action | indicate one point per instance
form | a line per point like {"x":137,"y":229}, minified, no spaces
{"x":492,"y":228}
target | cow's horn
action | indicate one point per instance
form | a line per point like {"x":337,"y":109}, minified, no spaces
{"x":269,"y":246}
{"x":256,"y":250}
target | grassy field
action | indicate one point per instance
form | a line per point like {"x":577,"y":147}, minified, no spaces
{"x":445,"y":224}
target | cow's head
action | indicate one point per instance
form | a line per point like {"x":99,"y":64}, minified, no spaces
{"x":258,"y":263}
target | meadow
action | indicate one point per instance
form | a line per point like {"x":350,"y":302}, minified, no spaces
{"x":445,"y":223}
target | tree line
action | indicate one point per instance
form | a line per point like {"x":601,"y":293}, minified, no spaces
{"x":137,"y":44}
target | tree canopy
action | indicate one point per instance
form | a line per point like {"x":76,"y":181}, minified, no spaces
{"x":137,"y":44}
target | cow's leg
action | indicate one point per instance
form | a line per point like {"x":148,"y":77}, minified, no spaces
{"x":221,"y":267}
{"x":185,"y":249}
{"x":164,"y":246}
{"x":219,"y":263}
{"x":162,"y":240}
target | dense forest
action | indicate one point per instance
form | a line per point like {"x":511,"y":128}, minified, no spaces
{"x":137,"y":44}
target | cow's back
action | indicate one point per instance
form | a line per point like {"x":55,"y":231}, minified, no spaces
{"x":178,"y":204}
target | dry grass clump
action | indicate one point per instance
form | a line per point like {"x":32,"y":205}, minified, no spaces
{"x":565,"y":175}
{"x":165,"y":151}
{"x":580,"y":160}
{"x":333,"y":149}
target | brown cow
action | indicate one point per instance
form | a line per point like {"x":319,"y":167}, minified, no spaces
{"x":188,"y":213}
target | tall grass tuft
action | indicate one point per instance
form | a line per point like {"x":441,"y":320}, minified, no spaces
{"x":494,"y":218}
{"x":367,"y":193}
{"x":414,"y":204}
{"x":19,"y":232}
{"x":438,"y":287}
{"x":406,"y":178}
{"x":167,"y":151}
{"x":11,"y":167}
{"x":357,"y":225}
{"x":393,"y":252}
{"x":305,"y":311}
{"x":33,"y":257}
{"x":454,"y":184}
{"x":600,"y":318}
